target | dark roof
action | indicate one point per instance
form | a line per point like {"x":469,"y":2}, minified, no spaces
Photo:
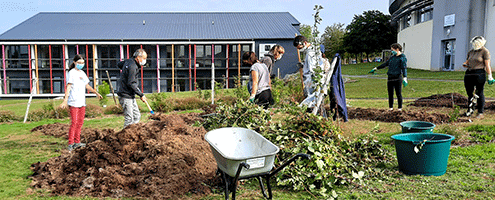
{"x":154,"y":26}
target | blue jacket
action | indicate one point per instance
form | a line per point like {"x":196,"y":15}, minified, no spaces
{"x":339,"y":89}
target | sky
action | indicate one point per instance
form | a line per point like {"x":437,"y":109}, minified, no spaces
{"x":14,"y":12}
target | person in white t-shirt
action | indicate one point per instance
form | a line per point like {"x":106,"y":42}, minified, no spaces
{"x":75,"y":99}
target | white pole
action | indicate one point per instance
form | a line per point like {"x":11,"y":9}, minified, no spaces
{"x":212,"y":83}
{"x":30,"y":99}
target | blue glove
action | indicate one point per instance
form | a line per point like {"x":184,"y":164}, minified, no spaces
{"x":404,"y":82}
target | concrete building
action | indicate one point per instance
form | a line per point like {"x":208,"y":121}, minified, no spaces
{"x":436,"y":34}
{"x":183,"y":48}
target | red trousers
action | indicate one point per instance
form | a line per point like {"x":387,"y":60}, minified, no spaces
{"x":77,"y":120}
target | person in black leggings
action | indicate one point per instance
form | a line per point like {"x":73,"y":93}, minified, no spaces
{"x":397,"y":69}
{"x":478,"y":67}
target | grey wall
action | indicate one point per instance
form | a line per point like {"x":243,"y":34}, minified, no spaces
{"x":469,"y":21}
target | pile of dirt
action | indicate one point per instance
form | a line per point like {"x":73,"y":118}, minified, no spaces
{"x":442,"y":100}
{"x":447,"y":100}
{"x":398,"y":116}
{"x":162,"y":159}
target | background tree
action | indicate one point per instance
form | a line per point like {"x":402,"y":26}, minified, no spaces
{"x":369,"y":33}
{"x":306,"y":31}
{"x":333,"y":39}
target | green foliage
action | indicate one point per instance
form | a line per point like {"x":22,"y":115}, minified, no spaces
{"x":7,"y":116}
{"x":241,"y":114}
{"x":162,"y":103}
{"x":104,"y":89}
{"x":455,"y":114}
{"x":482,"y":133}
{"x":335,"y":160}
{"x":240,"y":91}
{"x":287,"y":91}
{"x":333,"y":39}
{"x":369,"y":32}
{"x":305,"y":31}
{"x":50,"y":111}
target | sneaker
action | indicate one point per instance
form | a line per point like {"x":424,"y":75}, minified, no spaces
{"x":79,"y":145}
{"x":480,"y":116}
{"x":70,"y":147}
{"x":391,"y":109}
{"x":399,"y":109}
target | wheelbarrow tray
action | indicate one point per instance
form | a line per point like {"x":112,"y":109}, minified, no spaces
{"x":232,"y":146}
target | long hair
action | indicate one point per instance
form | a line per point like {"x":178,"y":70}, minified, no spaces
{"x":277,"y":50}
{"x":75,"y":59}
{"x":249,"y":58}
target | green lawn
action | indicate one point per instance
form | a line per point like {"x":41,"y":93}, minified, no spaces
{"x":364,"y":68}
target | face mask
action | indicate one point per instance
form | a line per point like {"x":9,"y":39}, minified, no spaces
{"x":143,"y":62}
{"x":280,"y":57}
{"x":394,"y":53}
{"x":79,"y":66}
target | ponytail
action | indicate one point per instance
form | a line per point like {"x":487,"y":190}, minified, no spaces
{"x":74,"y":60}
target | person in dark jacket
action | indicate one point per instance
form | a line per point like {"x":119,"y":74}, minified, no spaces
{"x":128,"y":87}
{"x":275,"y":54}
{"x":397,"y":69}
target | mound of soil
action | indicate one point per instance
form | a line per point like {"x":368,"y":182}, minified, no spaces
{"x":161,"y":159}
{"x":447,"y":100}
{"x":398,"y":116}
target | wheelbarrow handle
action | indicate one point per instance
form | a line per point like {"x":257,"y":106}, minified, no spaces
{"x":303,"y":155}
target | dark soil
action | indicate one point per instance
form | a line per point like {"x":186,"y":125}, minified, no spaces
{"x":447,"y":100}
{"x":385,"y":115}
{"x":162,"y":159}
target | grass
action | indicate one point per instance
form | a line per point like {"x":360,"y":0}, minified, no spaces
{"x":364,"y":68}
{"x":470,"y":172}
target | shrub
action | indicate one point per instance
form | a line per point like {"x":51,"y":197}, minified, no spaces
{"x":482,"y":133}
{"x":93,"y":111}
{"x":7,"y":116}
{"x":161,"y":103}
{"x":104,"y":90}
{"x":113,"y":109}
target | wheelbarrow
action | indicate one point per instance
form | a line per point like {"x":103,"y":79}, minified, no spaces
{"x":242,"y":153}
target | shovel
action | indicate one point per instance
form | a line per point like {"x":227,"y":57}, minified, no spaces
{"x":151,"y":110}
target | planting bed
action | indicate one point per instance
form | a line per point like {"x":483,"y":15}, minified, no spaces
{"x":447,"y":100}
{"x":162,"y":159}
{"x":385,"y":115}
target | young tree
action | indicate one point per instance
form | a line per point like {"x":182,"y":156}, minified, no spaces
{"x":370,"y":32}
{"x":306,"y":31}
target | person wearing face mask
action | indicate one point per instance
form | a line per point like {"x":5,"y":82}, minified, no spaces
{"x":311,"y":61}
{"x":275,"y":54}
{"x":397,"y":75}
{"x":478,"y":67}
{"x":128,"y":87}
{"x":261,"y":93}
{"x":75,"y":99}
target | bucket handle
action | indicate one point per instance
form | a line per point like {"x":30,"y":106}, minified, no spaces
{"x":418,"y":145}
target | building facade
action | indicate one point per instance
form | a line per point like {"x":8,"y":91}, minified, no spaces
{"x":185,"y":50}
{"x":436,"y":34}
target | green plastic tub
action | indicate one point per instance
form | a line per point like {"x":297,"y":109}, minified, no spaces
{"x":423,"y":153}
{"x":417,"y":127}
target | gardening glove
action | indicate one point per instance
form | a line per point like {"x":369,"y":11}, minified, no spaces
{"x":490,"y":80}
{"x":404,"y":82}
{"x":251,"y":98}
{"x":372,"y":71}
{"x":300,"y":65}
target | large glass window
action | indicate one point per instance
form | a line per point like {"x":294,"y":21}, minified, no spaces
{"x":17,"y":56}
{"x":425,"y":14}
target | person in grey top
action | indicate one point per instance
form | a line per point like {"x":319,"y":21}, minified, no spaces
{"x":261,"y":93}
